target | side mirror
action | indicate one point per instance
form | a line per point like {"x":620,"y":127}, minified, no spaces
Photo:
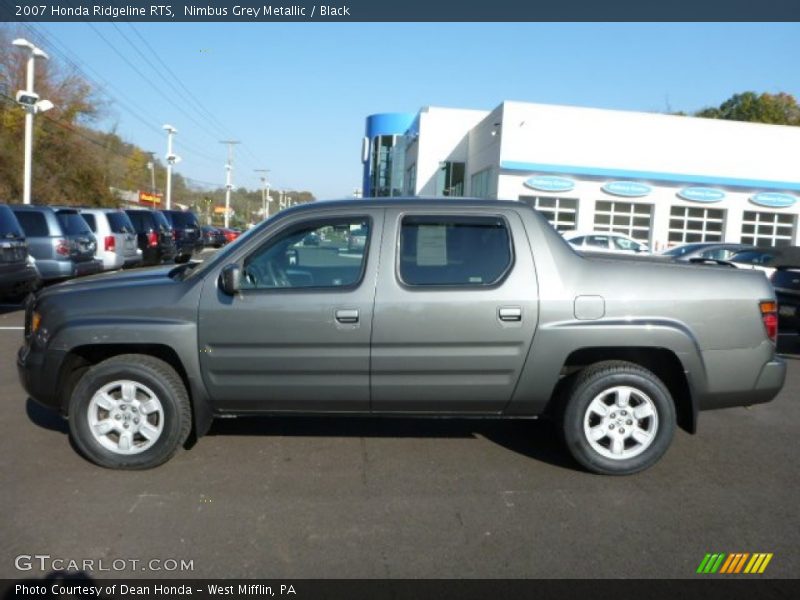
{"x":230,"y":279}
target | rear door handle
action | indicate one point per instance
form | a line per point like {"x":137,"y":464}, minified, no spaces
{"x":347,"y":315}
{"x":510,"y":313}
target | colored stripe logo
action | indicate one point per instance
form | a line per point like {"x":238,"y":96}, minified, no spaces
{"x":734,"y":563}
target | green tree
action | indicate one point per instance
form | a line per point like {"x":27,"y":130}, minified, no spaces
{"x":777,"y":109}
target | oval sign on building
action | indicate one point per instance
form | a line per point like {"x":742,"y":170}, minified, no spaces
{"x":773,"y":200}
{"x":550,"y":183}
{"x":629,"y":189}
{"x":701,"y":194}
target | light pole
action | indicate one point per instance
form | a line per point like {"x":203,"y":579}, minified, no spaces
{"x":228,"y":179}
{"x":151,"y":166}
{"x":265,"y":199}
{"x":29,"y":100}
{"x":171,"y":160}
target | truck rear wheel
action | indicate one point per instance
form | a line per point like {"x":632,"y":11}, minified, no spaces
{"x":129,"y":412}
{"x":619,"y":418}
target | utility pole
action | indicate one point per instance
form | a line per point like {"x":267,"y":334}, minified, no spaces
{"x":228,"y":179}
{"x":29,"y":100}
{"x":171,"y":160}
{"x":265,"y":199}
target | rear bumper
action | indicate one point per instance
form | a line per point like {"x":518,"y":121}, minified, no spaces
{"x":768,"y":384}
{"x":19,"y":281}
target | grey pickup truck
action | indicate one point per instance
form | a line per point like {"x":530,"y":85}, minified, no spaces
{"x":457,"y":308}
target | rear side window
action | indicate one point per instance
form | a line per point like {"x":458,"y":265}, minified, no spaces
{"x":90,"y":221}
{"x":597,"y":241}
{"x":454,"y":250}
{"x":9,"y":226}
{"x":33,"y":223}
{"x":72,"y":223}
{"x":119,"y":222}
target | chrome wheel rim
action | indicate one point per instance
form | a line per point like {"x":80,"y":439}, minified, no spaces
{"x":620,"y":422}
{"x":125,"y":417}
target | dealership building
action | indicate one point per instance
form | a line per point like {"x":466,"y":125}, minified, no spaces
{"x":662,"y":179}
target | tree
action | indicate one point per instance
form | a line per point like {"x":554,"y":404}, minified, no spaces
{"x":777,"y":109}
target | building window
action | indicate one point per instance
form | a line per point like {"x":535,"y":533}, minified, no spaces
{"x":479,"y":183}
{"x":631,"y":218}
{"x":384,"y":158}
{"x":450,"y":179}
{"x":693,"y":224}
{"x":411,"y":180}
{"x":562,"y":213}
{"x":768,"y":228}
{"x":453,"y":250}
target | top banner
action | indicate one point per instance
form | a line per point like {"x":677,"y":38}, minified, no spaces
{"x":407,"y":10}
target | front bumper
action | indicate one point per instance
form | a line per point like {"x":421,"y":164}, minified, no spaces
{"x":19,"y":281}
{"x":38,"y":374}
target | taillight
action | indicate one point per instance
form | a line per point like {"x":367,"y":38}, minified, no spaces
{"x":62,"y":247}
{"x":769,"y":315}
{"x":152,"y":239}
{"x":111,"y":243}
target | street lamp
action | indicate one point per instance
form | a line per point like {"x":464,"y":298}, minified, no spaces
{"x":265,"y":199}
{"x":171,"y":160}
{"x":30,"y":102}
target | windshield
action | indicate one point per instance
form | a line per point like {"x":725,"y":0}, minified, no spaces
{"x":72,"y":223}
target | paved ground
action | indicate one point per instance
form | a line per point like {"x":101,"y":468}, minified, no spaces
{"x":401,"y":498}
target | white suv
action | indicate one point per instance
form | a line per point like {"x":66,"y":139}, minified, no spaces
{"x":116,"y":238}
{"x":605,"y":241}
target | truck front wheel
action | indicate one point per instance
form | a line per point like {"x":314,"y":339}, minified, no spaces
{"x":619,"y":418}
{"x":129,"y":412}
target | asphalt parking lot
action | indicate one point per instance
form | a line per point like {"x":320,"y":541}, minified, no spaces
{"x":401,"y":498}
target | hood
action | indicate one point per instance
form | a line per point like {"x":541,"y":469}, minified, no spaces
{"x":135,"y":278}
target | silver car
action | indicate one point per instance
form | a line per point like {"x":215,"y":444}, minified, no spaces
{"x":116,"y":238}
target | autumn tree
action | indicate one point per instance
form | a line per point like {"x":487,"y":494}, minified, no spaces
{"x":777,"y":109}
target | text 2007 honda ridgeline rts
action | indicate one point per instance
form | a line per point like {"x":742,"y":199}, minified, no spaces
{"x":402,"y":307}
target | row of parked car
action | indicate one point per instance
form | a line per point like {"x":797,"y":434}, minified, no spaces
{"x":40,"y":244}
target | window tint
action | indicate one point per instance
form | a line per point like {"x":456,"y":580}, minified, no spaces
{"x":446,"y":250}
{"x":320,"y":254}
{"x":33,"y":223}
{"x":597,"y":241}
{"x":119,"y":222}
{"x":182,"y":219}
{"x":90,"y":221}
{"x":9,"y":226}
{"x":72,"y":223}
{"x":160,"y":221}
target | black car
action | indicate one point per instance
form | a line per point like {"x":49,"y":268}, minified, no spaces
{"x":18,"y":275}
{"x":213,"y":237}
{"x":782,"y":268}
{"x":706,"y":251}
{"x":153,"y":235}
{"x":186,"y":232}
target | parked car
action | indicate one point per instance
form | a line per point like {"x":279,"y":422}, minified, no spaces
{"x":186,"y":231}
{"x":782,"y":268}
{"x":59,"y":239}
{"x":153,"y":236}
{"x":18,"y":274}
{"x":606,"y":242}
{"x":231,"y":234}
{"x":459,"y":308}
{"x":213,"y":236}
{"x":116,"y":237}
{"x":357,"y":239}
{"x":705,"y":250}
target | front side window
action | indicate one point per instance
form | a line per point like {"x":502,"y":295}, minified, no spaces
{"x":320,"y":254}
{"x":627,"y":245}
{"x":597,"y":241}
{"x":453,"y":250}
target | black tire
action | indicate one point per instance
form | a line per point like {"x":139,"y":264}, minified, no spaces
{"x":155,"y":375}
{"x":648,"y":394}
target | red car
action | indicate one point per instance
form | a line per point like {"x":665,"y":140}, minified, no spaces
{"x":230,"y":234}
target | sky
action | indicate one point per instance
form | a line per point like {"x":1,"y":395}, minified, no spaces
{"x":297,"y":95}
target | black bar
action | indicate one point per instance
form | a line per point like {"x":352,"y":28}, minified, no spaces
{"x":743,"y":587}
{"x":399,"y":10}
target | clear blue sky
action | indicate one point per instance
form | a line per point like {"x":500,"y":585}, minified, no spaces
{"x":297,"y":95}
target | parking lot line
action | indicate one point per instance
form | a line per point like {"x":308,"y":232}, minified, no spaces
{"x":12,"y":328}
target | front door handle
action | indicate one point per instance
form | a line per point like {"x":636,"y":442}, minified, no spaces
{"x":347,"y":316}
{"x":510,"y":313}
